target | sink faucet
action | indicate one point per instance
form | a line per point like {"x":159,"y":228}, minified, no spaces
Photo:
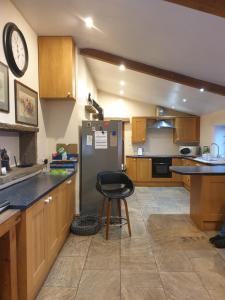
{"x":218,"y":149}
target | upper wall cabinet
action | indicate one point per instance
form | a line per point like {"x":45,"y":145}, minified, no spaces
{"x":139,"y":130}
{"x":56,"y":67}
{"x":187,"y":129}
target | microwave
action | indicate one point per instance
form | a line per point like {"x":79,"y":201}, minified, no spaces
{"x":189,"y":150}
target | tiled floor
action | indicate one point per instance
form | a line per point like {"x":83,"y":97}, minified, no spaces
{"x":167,"y":257}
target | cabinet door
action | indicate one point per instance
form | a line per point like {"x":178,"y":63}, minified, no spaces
{"x":63,"y":209}
{"x":139,"y":130}
{"x":51,"y":226}
{"x":144,"y":169}
{"x":36,"y":246}
{"x":56,"y":67}
{"x":186,"y":178}
{"x":177,"y":162}
{"x":187,"y":129}
{"x":132,"y":168}
{"x":71,"y":198}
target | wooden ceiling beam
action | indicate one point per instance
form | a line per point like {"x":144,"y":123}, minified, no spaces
{"x":214,"y":7}
{"x":154,"y":71}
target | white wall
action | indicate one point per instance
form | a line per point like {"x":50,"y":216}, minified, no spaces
{"x":10,"y":14}
{"x":208,"y":125}
{"x":158,"y":141}
{"x":64,"y":118}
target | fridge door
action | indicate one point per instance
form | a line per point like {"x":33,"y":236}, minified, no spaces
{"x":101,"y":150}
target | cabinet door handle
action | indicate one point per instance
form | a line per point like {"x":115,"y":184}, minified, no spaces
{"x":50,"y":198}
{"x":68,"y":94}
{"x":69,"y":181}
{"x":47,"y":201}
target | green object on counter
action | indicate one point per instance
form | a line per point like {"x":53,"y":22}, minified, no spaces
{"x":58,"y":172}
{"x":205,"y":149}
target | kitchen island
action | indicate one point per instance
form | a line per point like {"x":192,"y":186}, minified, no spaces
{"x":207,"y":194}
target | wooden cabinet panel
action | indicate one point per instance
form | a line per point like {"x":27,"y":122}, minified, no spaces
{"x":132,"y":168}
{"x":187,"y":129}
{"x":139,"y":130}
{"x":56,"y":67}
{"x":177,"y":162}
{"x":144,"y":169}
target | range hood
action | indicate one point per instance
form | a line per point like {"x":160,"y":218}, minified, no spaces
{"x":162,"y":124}
{"x":161,"y":119}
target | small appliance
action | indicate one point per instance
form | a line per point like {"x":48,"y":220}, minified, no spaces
{"x":189,"y":150}
{"x":140,"y":151}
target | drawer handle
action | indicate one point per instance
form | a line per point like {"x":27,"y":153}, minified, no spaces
{"x":50,"y":198}
{"x":69,"y":181}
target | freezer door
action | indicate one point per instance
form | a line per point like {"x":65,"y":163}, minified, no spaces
{"x":101,"y":150}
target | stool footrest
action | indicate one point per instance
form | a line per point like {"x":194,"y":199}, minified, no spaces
{"x":115,"y":221}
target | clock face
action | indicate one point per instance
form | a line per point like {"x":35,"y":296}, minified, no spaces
{"x":18,"y":50}
{"x":15,"y":49}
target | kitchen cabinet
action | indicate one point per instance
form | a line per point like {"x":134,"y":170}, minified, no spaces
{"x":43,"y":229}
{"x":187,"y":129}
{"x":131,"y":164}
{"x":139,"y":130}
{"x":56,"y":67}
{"x":144,"y":169}
{"x":177,"y":162}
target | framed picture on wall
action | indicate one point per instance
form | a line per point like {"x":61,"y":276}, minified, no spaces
{"x":4,"y":88}
{"x":26,"y":104}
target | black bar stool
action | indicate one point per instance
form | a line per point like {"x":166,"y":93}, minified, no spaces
{"x":114,"y":186}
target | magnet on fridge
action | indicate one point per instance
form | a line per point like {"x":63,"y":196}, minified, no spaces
{"x":93,"y":128}
{"x":113,"y":133}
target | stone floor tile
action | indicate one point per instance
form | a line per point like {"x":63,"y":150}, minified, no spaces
{"x":212,"y":280}
{"x":76,"y":246}
{"x":217,"y":294}
{"x":132,"y":278}
{"x":136,"y":247}
{"x":102,"y":262}
{"x":56,"y":293}
{"x":142,"y":293}
{"x":138,"y":263}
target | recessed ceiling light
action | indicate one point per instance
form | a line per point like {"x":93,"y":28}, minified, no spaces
{"x":202,"y":90}
{"x":122,"y":67}
{"x":122,"y":83}
{"x":121,"y":92}
{"x":89,"y":22}
{"x":184,"y":100}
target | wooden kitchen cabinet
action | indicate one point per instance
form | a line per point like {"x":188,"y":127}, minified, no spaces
{"x":187,"y":129}
{"x":177,"y":162}
{"x":56,"y":67}
{"x":43,"y":229}
{"x":139,"y":130}
{"x":144,"y":169}
{"x":131,"y":164}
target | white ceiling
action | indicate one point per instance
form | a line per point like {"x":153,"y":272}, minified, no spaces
{"x":150,"y":31}
{"x":149,"y":89}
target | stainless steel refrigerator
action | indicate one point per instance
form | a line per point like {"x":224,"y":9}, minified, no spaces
{"x":101,"y":150}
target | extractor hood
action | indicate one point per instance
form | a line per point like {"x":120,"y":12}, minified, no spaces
{"x":162,"y":124}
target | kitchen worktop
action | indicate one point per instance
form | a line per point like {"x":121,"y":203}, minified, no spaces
{"x":158,"y":155}
{"x":24,"y":194}
{"x":199,"y":170}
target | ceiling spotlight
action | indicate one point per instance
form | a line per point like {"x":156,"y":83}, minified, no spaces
{"x":89,"y":22}
{"x":122,"y":67}
{"x":202,"y":90}
{"x":121,"y":92}
{"x":184,"y":100}
{"x":122,"y":83}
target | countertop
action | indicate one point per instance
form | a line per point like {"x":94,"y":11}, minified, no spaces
{"x":201,"y":170}
{"x":163,"y":155}
{"x":24,"y":194}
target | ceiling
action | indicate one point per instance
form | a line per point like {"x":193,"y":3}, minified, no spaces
{"x":154,"y":32}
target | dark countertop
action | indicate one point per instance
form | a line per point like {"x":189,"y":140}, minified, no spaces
{"x":24,"y":194}
{"x":201,"y":170}
{"x":156,"y":155}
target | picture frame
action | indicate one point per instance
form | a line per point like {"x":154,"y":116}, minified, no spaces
{"x":4,"y":88}
{"x":26,"y":104}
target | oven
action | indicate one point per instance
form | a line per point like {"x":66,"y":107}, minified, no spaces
{"x":161,"y":167}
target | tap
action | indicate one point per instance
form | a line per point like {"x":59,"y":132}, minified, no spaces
{"x":218,"y":149}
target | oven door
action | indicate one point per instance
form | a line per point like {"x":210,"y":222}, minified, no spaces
{"x":161,"y":170}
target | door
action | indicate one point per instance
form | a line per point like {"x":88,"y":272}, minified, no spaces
{"x":132,"y":168}
{"x":144,"y":169}
{"x":139,"y":130}
{"x":36,"y":245}
{"x":187,"y":129}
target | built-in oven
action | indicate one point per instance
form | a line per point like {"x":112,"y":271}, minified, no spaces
{"x":161,"y":167}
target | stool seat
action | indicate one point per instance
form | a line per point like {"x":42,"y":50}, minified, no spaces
{"x":114,"y":186}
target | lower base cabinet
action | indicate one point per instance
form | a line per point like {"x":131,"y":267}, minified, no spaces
{"x":42,"y":231}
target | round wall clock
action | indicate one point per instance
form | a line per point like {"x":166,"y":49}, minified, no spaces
{"x":15,"y":49}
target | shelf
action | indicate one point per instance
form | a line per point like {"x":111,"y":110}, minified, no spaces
{"x":17,"y":128}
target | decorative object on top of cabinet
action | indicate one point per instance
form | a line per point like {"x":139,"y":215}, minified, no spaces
{"x":187,"y":130}
{"x":15,"y":48}
{"x":139,"y":130}
{"x":26,"y":104}
{"x":4,"y":88}
{"x":56,"y":67}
